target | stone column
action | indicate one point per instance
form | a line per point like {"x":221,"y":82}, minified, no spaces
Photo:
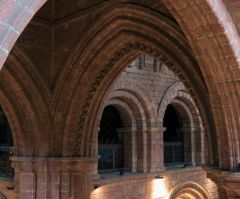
{"x":157,"y":149}
{"x":200,"y":146}
{"x":129,"y":148}
{"x":228,"y":182}
{"x":54,"y":178}
{"x":189,"y":146}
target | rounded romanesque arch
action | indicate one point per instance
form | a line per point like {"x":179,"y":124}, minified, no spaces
{"x":178,"y":91}
{"x":129,"y":132}
{"x":197,"y":147}
{"x":189,"y":190}
{"x":137,"y":102}
{"x":134,"y":88}
{"x":192,"y":124}
{"x":125,"y":111}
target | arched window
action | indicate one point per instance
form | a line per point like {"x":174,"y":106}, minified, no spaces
{"x":173,"y":137}
{"x":110,"y":141}
{"x":6,"y":143}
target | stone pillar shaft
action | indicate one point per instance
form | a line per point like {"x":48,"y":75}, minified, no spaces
{"x":54,"y":178}
{"x":157,"y":150}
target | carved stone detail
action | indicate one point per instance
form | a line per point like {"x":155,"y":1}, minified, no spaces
{"x":188,"y":187}
{"x":126,"y":49}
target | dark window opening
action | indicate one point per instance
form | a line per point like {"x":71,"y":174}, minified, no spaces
{"x":173,"y":138}
{"x":110,"y":144}
{"x":6,"y":144}
{"x":5,"y":131}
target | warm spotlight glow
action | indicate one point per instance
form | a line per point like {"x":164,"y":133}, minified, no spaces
{"x":97,"y":190}
{"x":159,"y":190}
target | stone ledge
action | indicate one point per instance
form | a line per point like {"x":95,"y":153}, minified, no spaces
{"x":55,"y":164}
{"x":133,"y":176}
{"x":226,"y":175}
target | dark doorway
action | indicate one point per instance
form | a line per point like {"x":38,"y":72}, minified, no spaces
{"x":173,"y":137}
{"x":110,"y":144}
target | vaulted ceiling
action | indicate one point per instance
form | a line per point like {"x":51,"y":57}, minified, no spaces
{"x":52,"y":33}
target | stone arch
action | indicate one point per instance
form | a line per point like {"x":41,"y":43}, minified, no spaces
{"x":14,"y":17}
{"x":191,"y":117}
{"x":149,"y":108}
{"x":192,"y":122}
{"x":129,"y":129}
{"x":188,"y":130}
{"x":119,"y":56}
{"x":223,"y":26}
{"x":191,"y":188}
{"x":13,"y":122}
{"x":208,"y":45}
{"x":27,"y":114}
{"x":125,"y":112}
{"x":143,"y":121}
{"x":142,"y":94}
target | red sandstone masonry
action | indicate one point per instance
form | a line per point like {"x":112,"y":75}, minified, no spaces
{"x":216,"y":30}
{"x":14,"y":17}
{"x":223,"y":32}
{"x":143,"y":186}
{"x":154,"y":91}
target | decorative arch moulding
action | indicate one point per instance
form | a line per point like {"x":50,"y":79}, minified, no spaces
{"x":118,"y":55}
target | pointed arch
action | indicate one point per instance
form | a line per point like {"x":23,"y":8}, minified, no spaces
{"x":29,"y":114}
{"x":215,"y":44}
{"x":109,"y":57}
